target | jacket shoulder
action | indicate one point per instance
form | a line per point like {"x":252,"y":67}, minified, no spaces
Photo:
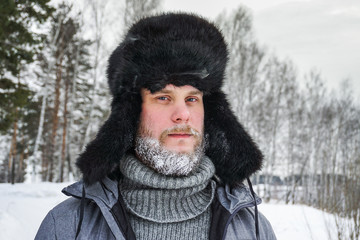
{"x":239,"y":202}
{"x":265,"y":228}
{"x":243,"y":224}
{"x":61,"y":221}
{"x":71,"y":203}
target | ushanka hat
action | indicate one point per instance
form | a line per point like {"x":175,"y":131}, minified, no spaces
{"x":179,"y":49}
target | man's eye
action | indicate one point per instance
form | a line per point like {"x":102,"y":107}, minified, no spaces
{"x":162,"y":98}
{"x":191,"y":99}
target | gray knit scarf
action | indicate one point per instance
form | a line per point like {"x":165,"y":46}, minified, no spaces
{"x":153,"y":198}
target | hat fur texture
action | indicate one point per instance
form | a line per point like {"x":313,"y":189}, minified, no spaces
{"x":179,"y":49}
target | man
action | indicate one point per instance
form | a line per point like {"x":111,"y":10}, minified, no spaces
{"x":170,"y":161}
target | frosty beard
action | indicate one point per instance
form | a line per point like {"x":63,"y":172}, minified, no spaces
{"x":153,"y":153}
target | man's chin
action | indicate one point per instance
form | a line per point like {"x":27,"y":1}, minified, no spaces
{"x":166,"y":160}
{"x":181,"y":147}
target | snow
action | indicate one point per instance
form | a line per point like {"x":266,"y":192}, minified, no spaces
{"x":23,"y":207}
{"x":299,"y":222}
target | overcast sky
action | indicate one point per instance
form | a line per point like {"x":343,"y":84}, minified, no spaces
{"x":324,"y":34}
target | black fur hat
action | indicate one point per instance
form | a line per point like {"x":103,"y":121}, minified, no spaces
{"x":179,"y":49}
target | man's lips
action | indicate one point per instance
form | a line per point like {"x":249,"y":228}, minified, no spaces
{"x":180,"y":135}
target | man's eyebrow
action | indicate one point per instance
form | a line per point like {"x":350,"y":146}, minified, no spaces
{"x":164,"y":91}
{"x":196,"y":92}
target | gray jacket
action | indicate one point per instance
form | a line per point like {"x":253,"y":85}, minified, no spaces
{"x":102,"y":218}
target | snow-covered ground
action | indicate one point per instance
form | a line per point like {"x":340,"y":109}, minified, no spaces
{"x":23,"y":206}
{"x":299,"y":222}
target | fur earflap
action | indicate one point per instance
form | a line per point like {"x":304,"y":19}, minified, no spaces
{"x":179,"y":49}
{"x":114,"y":139}
{"x":230,"y":147}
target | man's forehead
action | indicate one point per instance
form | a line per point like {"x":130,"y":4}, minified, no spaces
{"x":170,"y":88}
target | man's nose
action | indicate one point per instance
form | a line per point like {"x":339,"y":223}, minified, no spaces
{"x":181,"y":113}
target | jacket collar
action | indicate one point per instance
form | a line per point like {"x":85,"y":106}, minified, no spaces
{"x":232,"y":199}
{"x":105,"y":190}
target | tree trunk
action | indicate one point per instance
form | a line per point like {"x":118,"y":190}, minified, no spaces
{"x":20,"y":176}
{"x":12,"y":155}
{"x":63,"y":147}
{"x":32,"y":168}
{"x":55,"y":118}
{"x":71,"y":107}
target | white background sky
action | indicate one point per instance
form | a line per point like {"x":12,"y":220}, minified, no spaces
{"x":321,"y":34}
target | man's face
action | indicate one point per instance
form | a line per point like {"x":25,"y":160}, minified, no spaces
{"x":174,"y":116}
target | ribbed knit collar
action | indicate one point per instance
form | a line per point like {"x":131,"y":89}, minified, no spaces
{"x":164,"y":199}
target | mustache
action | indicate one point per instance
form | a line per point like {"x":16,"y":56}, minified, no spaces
{"x":181,"y":129}
{"x":186,"y":129}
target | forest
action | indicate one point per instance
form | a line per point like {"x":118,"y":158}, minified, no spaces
{"x":54,"y":97}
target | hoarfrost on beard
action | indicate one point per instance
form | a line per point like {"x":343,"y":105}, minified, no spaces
{"x":166,"y":162}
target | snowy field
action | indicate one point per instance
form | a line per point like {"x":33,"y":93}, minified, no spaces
{"x":23,"y":206}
